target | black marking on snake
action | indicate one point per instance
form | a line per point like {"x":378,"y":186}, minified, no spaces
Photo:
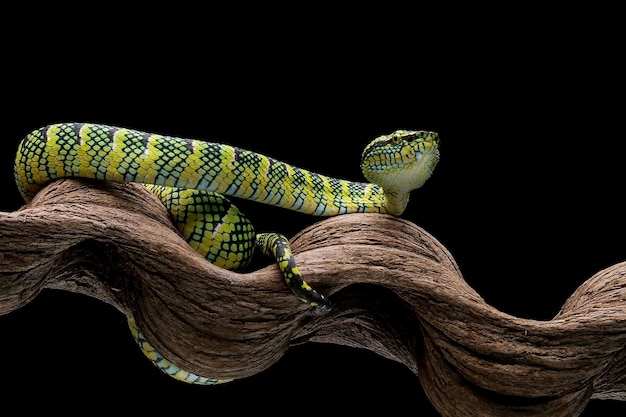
{"x":379,"y":144}
{"x":276,"y":174}
{"x":318,"y":182}
{"x":244,"y":159}
{"x":299,"y":179}
{"x":75,"y":129}
{"x":188,"y":145}
{"x":276,"y":170}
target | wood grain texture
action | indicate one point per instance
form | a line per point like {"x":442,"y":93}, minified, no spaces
{"x":396,"y":291}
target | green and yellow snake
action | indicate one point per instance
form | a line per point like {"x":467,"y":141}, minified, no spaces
{"x":192,"y":178}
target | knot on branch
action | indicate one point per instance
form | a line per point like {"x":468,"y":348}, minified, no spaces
{"x":395,"y":290}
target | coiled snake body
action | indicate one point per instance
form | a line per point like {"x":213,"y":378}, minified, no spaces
{"x":192,"y":178}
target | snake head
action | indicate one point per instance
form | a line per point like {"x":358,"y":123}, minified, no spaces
{"x":402,"y":161}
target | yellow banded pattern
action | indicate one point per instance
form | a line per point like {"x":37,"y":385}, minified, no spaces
{"x":277,"y":246}
{"x":125,"y":155}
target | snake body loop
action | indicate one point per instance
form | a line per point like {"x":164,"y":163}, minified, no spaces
{"x":192,"y":178}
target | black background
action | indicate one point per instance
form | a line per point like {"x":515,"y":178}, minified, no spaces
{"x":528,"y":104}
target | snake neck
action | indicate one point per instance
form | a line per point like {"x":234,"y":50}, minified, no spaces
{"x":123,"y":155}
{"x":395,"y":203}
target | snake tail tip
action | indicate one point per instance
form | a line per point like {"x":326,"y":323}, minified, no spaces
{"x":320,"y":309}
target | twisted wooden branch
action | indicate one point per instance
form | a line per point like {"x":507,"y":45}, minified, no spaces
{"x":395,"y":289}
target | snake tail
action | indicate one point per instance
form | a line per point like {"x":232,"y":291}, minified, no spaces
{"x":277,"y":246}
{"x":165,"y":365}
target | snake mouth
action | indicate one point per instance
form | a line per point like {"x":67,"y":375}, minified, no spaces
{"x":415,"y":173}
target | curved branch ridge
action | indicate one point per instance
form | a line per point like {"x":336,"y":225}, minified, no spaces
{"x":396,"y":291}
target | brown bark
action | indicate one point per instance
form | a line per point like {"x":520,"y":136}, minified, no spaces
{"x":395,"y":290}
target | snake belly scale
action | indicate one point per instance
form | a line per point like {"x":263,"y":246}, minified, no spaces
{"x":193,"y":179}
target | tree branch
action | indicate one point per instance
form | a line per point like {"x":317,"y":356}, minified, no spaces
{"x":396,"y":291}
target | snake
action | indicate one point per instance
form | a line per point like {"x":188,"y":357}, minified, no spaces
{"x":194,"y":179}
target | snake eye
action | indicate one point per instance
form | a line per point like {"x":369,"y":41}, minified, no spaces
{"x":399,"y":136}
{"x":404,"y":136}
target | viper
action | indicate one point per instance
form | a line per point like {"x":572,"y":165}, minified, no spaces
{"x":193,"y":179}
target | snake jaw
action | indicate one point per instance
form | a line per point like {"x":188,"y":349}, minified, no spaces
{"x":402,"y":161}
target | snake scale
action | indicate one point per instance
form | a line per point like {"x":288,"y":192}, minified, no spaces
{"x":193,"y":177}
